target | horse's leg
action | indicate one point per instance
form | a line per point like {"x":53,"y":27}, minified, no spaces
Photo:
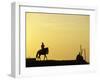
{"x":40,"y":57}
{"x":37,"y":55}
{"x":46,"y":57}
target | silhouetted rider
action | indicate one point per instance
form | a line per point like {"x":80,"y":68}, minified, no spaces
{"x":42,"y":46}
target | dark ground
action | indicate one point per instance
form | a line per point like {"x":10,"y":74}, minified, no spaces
{"x":32,"y":62}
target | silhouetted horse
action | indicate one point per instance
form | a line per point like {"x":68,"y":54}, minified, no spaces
{"x":42,"y":52}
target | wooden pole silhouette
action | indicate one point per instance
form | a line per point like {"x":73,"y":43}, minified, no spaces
{"x":81,"y":50}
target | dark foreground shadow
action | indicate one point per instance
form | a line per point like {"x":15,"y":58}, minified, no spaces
{"x":32,"y":62}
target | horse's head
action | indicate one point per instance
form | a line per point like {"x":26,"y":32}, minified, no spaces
{"x":47,"y":50}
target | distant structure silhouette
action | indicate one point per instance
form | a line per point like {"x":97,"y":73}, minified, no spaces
{"x":43,"y":51}
{"x":81,"y":50}
{"x":79,"y":57}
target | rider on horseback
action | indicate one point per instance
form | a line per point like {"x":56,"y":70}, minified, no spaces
{"x":43,"y":51}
